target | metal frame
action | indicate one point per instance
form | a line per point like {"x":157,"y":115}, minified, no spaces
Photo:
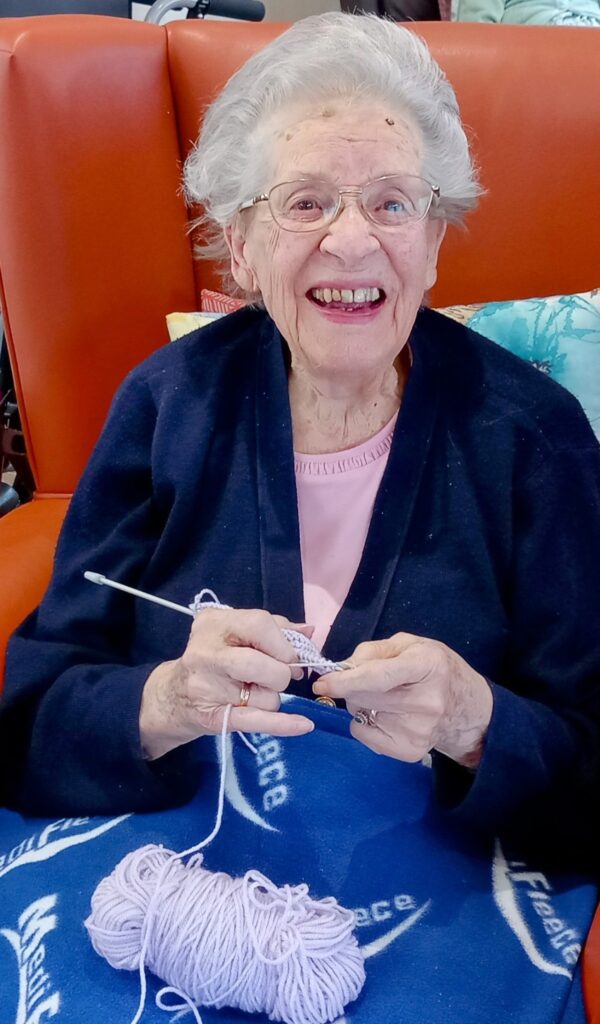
{"x":199,"y":9}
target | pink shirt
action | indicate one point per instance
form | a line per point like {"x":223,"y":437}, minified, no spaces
{"x":336,"y":494}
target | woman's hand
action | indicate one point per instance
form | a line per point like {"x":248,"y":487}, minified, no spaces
{"x":423,"y":694}
{"x":227,"y":649}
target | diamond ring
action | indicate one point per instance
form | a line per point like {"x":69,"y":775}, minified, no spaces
{"x":365,"y":717}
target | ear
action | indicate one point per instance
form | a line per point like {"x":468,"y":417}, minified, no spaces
{"x":241,"y":270}
{"x":436,"y":229}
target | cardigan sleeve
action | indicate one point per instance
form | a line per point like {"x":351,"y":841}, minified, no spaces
{"x":69,"y":732}
{"x":540,"y":770}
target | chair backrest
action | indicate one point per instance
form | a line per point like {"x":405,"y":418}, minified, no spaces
{"x":93,"y":229}
{"x":97,"y":115}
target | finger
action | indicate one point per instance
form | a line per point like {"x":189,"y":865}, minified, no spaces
{"x":390,"y":647}
{"x":415,"y":665}
{"x":415,"y":729}
{"x":299,"y":627}
{"x":257,"y":628}
{"x":260,"y":698}
{"x":411,"y":699}
{"x":362,"y":699}
{"x":271,"y":723}
{"x":219,"y":683}
{"x":209,"y":699}
{"x":244,"y":663}
{"x":402,"y":748}
{"x":253,"y":628}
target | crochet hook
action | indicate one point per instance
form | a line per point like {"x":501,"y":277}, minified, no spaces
{"x":104,"y":581}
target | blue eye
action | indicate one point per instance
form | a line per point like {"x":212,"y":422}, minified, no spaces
{"x":389,"y":209}
{"x":389,"y":204}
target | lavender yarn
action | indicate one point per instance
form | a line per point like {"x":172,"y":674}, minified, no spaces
{"x":309,"y":656}
{"x":223,"y":941}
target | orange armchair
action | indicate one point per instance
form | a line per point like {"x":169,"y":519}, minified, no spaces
{"x":97,"y":115}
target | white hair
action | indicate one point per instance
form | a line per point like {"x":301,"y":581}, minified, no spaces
{"x":327,"y":57}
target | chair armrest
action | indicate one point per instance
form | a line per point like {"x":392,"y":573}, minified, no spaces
{"x":591,"y":972}
{"x":27,"y":541}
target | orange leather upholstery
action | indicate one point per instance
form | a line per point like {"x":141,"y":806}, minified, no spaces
{"x":93,"y":243}
{"x":96,"y":115}
{"x":28,"y":543}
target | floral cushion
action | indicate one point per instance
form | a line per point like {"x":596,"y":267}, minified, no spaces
{"x":559,"y":335}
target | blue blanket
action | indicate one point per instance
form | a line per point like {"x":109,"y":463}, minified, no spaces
{"x":454,"y":930}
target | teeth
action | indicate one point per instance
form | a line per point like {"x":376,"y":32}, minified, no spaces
{"x":347,"y":295}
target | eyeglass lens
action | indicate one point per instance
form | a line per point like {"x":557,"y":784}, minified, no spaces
{"x":389,"y":201}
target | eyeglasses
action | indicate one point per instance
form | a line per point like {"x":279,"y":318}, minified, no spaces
{"x":311,"y":203}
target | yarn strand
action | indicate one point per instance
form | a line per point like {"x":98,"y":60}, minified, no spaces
{"x":159,"y":879}
{"x":221,"y":941}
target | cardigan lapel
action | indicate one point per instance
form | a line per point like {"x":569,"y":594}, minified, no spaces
{"x":279,"y":530}
{"x":358,"y":618}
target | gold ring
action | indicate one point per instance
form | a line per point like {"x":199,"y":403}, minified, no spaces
{"x":244,"y":695}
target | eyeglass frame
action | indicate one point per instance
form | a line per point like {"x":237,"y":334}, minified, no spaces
{"x":352,"y":190}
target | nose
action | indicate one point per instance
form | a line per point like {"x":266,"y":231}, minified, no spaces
{"x":351,"y":237}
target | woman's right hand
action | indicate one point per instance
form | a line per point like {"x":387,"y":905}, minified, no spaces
{"x":227,"y":648}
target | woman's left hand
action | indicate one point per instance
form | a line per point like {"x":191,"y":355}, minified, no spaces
{"x":418,"y":694}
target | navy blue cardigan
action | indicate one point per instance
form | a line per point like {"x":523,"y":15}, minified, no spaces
{"x":485,"y":535}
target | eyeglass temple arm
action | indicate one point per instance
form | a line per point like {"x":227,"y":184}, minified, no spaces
{"x":252,"y":202}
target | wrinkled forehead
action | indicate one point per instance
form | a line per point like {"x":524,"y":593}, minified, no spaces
{"x":322,"y":138}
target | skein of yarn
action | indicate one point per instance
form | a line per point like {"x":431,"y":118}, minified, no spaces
{"x":223,"y":941}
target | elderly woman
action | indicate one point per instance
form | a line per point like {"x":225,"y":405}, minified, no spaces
{"x":333,"y":457}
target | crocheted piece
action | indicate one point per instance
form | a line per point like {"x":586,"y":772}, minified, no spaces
{"x":309,"y":656}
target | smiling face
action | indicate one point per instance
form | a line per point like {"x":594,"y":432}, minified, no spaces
{"x":340,"y":342}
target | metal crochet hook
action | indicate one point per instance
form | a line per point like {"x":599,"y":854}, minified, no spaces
{"x":104,"y":581}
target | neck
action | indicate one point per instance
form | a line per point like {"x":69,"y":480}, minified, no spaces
{"x":333,"y":416}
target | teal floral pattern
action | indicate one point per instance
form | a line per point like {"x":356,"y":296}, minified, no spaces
{"x":558,"y":335}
